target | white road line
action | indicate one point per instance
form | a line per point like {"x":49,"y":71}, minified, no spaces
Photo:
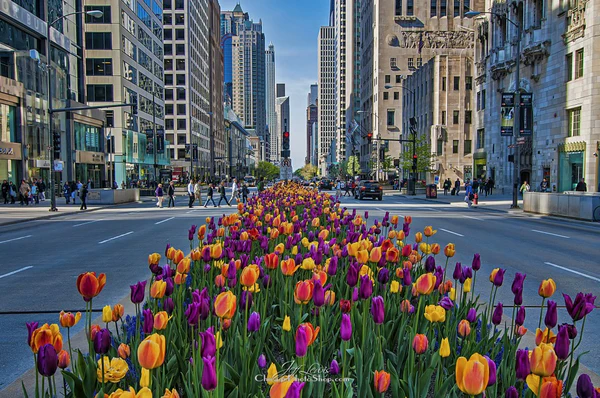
{"x":550,"y":233}
{"x":474,"y":218}
{"x":15,"y":272}
{"x":12,"y":240}
{"x":116,"y":237}
{"x":86,"y":223}
{"x":450,"y":232}
{"x":430,"y":209}
{"x":160,"y":222}
{"x":575,"y":272}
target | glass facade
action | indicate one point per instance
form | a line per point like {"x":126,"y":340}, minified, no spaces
{"x":571,"y":170}
{"x":9,"y":168}
{"x":87,"y":138}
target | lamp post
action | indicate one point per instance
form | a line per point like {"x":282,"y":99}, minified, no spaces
{"x":517,"y":117}
{"x":92,"y":13}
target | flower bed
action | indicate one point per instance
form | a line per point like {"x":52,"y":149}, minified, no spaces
{"x":296,"y":296}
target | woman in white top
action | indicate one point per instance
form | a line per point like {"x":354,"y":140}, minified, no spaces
{"x":198,"y":193}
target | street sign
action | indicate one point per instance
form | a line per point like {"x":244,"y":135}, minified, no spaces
{"x":520,"y":140}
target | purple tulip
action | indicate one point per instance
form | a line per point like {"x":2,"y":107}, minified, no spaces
{"x":406,"y":228}
{"x":254,"y":322}
{"x":333,"y":265}
{"x":346,"y":327}
{"x":355,"y":294}
{"x":519,"y":297}
{"x":430,"y":264}
{"x":512,"y":392}
{"x":170,"y":287}
{"x":318,"y":294}
{"x":137,"y":292}
{"x":499,"y":277}
{"x":246,"y":296}
{"x":585,"y":388}
{"x":583,"y":305}
{"x":366,"y":287}
{"x":192,"y":313}
{"x":262,"y":361}
{"x":47,"y":360}
{"x":523,"y":367}
{"x":518,"y":282}
{"x":571,"y":330}
{"x":352,"y":275}
{"x":406,"y":279}
{"x":472,"y":315}
{"x":209,"y":344}
{"x":295,"y":390}
{"x":301,"y":341}
{"x":476,"y":264}
{"x":457,"y":274}
{"x":551,"y":318}
{"x":31,"y":326}
{"x":169,"y":305}
{"x":366,"y":215}
{"x":467,"y":272}
{"x":497,"y":316}
{"x":493,"y":376}
{"x":520,"y":318}
{"x":232,"y":271}
{"x":209,"y":374}
{"x":102,"y":342}
{"x":384,"y":275}
{"x":446,"y":303}
{"x":334,"y":368}
{"x":148,"y":321}
{"x":167,"y":248}
{"x":561,"y":347}
{"x":378,"y":310}
{"x":155,"y":269}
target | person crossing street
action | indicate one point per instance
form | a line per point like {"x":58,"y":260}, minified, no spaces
{"x":209,"y":195}
{"x":171,"y":194}
{"x":191,"y":193}
{"x":223,"y":194}
{"x":234,"y":191}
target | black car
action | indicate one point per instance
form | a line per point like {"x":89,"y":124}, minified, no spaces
{"x":369,"y":189}
{"x":325,"y":184}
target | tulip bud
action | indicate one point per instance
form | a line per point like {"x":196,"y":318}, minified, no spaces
{"x":520,"y":318}
{"x":522,"y":366}
{"x":446,"y":303}
{"x":457,"y":274}
{"x":286,"y":324}
{"x":106,"y":314}
{"x":585,"y":388}
{"x":262,"y":361}
{"x":464,"y":328}
{"x":148,"y":321}
{"x":497,"y":316}
{"x":472,"y":315}
{"x":47,"y":360}
{"x":346,"y":328}
{"x":345,"y":306}
{"x":366,"y":287}
{"x":445,"y":348}
{"x":476,"y":264}
{"x":63,"y":359}
{"x":169,"y":305}
{"x":254,"y":322}
{"x":547,"y":288}
{"x":137,"y":292}
{"x":209,"y":374}
{"x":124,"y":351}
{"x":334,"y":368}
{"x":420,"y":343}
{"x":512,"y":392}
{"x":562,"y":343}
{"x":102,"y":342}
{"x":551,"y":318}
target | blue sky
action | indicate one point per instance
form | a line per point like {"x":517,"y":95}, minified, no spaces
{"x":293,"y":27}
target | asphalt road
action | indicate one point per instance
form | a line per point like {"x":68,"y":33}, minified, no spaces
{"x":42,"y":259}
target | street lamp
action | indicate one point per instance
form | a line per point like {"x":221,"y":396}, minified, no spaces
{"x":35,"y":55}
{"x":517,"y":117}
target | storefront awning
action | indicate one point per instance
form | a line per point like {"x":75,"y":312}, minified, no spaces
{"x":578,"y":146}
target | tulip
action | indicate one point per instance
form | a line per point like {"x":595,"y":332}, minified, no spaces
{"x":161,"y":319}
{"x":382,"y":381}
{"x":520,"y":330}
{"x":378,"y":310}
{"x":445,"y":303}
{"x":519,"y":297}
{"x":547,"y":288}
{"x":303,"y":292}
{"x":346,"y":328}
{"x":318,"y":294}
{"x":520,"y":318}
{"x":435,"y":313}
{"x":225,"y":304}
{"x":279,"y":389}
{"x":334,"y":368}
{"x":148,"y":321}
{"x":383,"y":276}
{"x":544,"y":336}
{"x":169,"y":305}
{"x":429,"y":231}
{"x":47,"y":360}
{"x":171,"y":393}
{"x":472,"y":315}
{"x":272,"y":260}
{"x":523,"y":366}
{"x":345,"y":306}
{"x":418,"y":237}
{"x":406,"y":278}
{"x":183,"y":267}
{"x":89,"y":286}
{"x":585,"y":388}
{"x":444,"y":348}
{"x":497,"y":315}
{"x":476,"y":264}
{"x":102,"y":342}
{"x":425,"y":283}
{"x":452,"y":294}
{"x":286,"y":324}
{"x":158,"y":289}
{"x":449,"y":250}
{"x":115,"y":370}
{"x":543,"y":360}
{"x":472,"y":376}
{"x":458,"y":271}
{"x":512,"y":392}
{"x":216,"y":251}
{"x":124,"y":351}
{"x":153,"y":258}
{"x":249,"y":275}
{"x":329,"y":297}
{"x":151,"y":351}
{"x":208,"y":348}
{"x":550,"y":386}
{"x":271,"y":374}
{"x":430,"y":264}
{"x":551,"y":318}
{"x":192,"y":313}
{"x":583,"y":305}
{"x":254,"y":322}
{"x":467,"y":285}
{"x":31,"y":327}
{"x":209,"y":374}
{"x":497,"y":276}
{"x":518,"y":282}
{"x":137,"y":292}
{"x":420,"y":343}
{"x":301,"y":341}
{"x":464,"y":328}
{"x":63,"y":359}
{"x":362,"y":256}
{"x":366,"y":287}
{"x":493,"y":375}
{"x":562,"y":343}
{"x":295,"y":390}
{"x":395,"y":287}
{"x":67,"y":319}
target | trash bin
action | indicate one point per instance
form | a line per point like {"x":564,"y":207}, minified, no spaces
{"x":431,"y":191}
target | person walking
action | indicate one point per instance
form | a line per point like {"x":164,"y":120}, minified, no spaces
{"x":524,"y":188}
{"x":457,"y":186}
{"x":5,"y":191}
{"x":469,"y":195}
{"x":209,"y":195}
{"x":34,"y":192}
{"x":67,"y":192}
{"x":171,"y":194}
{"x":83,"y":196}
{"x":74,"y":189}
{"x":42,"y":190}
{"x":446,"y":186}
{"x":581,"y":186}
{"x":223,"y":194}
{"x":12,"y":191}
{"x":159,"y":196}
{"x":490,"y":185}
{"x":198,"y":192}
{"x":24,"y":193}
{"x":245,"y":193}
{"x":338,"y":188}
{"x":234,"y":191}
{"x":191,"y":193}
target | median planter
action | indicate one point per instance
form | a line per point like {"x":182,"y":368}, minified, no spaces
{"x":112,"y":196}
{"x":577,"y":205}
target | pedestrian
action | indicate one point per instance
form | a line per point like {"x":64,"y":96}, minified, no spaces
{"x":90,"y":184}
{"x":5,"y":191}
{"x":457,"y":185}
{"x":159,"y":196}
{"x":171,"y":194}
{"x":12,"y":190}
{"x":490,"y":185}
{"x":198,"y":192}
{"x":234,"y":191}
{"x":209,"y":194}
{"x":73,"y":188}
{"x":24,"y":193}
{"x":469,"y":195}
{"x":338,"y":188}
{"x":66,"y":189}
{"x":223,"y":194}
{"x":544,"y":186}
{"x":34,"y":192}
{"x":446,"y":186}
{"x":191,"y":193}
{"x":475,"y":185}
{"x":115,"y":185}
{"x":524,"y":188}
{"x":83,"y":196}
{"x":123,"y":186}
{"x":245,"y":193}
{"x":581,"y":186}
{"x":42,"y":190}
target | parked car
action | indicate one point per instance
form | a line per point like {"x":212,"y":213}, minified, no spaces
{"x":369,"y":189}
{"x":326,"y":184}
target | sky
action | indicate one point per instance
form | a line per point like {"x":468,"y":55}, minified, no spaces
{"x":293,"y":27}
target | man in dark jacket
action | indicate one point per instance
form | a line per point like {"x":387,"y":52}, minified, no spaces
{"x":581,"y":186}
{"x":223,"y":194}
{"x":83,"y":196}
{"x":457,"y":185}
{"x":171,"y":194}
{"x":74,"y":191}
{"x":209,"y":194}
{"x":5,"y":191}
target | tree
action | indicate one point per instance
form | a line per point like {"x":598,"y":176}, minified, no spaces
{"x":424,"y":155}
{"x":353,"y":167}
{"x":267,"y":170}
{"x":298,"y":172}
{"x":308,"y":171}
{"x":343,"y":170}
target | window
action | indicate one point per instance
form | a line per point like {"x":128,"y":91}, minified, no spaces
{"x":398,"y":7}
{"x":168,"y":64}
{"x":168,"y":79}
{"x":169,"y":124}
{"x":410,"y":7}
{"x":168,"y":34}
{"x":467,"y":147}
{"x":574,"y":117}
{"x":443,"y":8}
{"x":169,"y":93}
{"x":483,"y":99}
{"x":579,"y":63}
{"x":105,"y":18}
{"x":456,"y":82}
{"x":180,"y":49}
{"x":433,"y":11}
{"x":128,"y":22}
{"x":396,"y":96}
{"x":181,"y":94}
{"x":144,"y":16}
{"x":100,"y":92}
{"x":386,"y":96}
{"x":168,"y":109}
{"x":455,"y":117}
{"x":168,"y":49}
{"x":569,"y":60}
{"x":467,"y":6}
{"x":455,"y":146}
{"x":181,"y":109}
{"x":99,"y":67}
{"x":398,"y":79}
{"x":179,"y":19}
{"x":411,"y":63}
{"x":480,"y":138}
{"x":129,"y":73}
{"x":479,"y":100}
{"x":181,"y":80}
{"x":179,"y":34}
{"x":443,"y":117}
{"x":393,"y":63}
{"x":98,"y":40}
{"x":443,"y":84}
{"x":145,"y":39}
{"x":129,"y":48}
{"x":110,"y":118}
{"x":456,"y":8}
{"x":440,"y":147}
{"x":469,"y":82}
{"x":179,"y":4}
{"x":167,"y":4}
{"x":468,"y":117}
{"x":388,"y":79}
{"x":167,"y":19}
{"x":181,"y":124}
{"x":391,"y":116}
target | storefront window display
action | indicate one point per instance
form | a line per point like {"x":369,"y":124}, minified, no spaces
{"x":87,"y":138}
{"x":571,"y":170}
{"x":10,"y":152}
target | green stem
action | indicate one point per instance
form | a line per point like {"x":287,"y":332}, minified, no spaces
{"x":541,"y":313}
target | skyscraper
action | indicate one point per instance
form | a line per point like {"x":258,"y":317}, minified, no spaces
{"x":313,"y":95}
{"x":271,"y":114}
{"x":340,"y":21}
{"x":327,"y":118}
{"x":283,"y":124}
{"x":219,"y":146}
{"x":311,"y":118}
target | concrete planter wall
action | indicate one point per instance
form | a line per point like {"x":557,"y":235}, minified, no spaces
{"x":578,"y":205}
{"x":112,"y":196}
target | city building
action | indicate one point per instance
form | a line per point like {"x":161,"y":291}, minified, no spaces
{"x":313,"y":95}
{"x":124,"y":65}
{"x":327,"y":117}
{"x":270,"y":101}
{"x":341,"y":61}
{"x":312,"y":112}
{"x":248,"y":74}
{"x":444,"y":111}
{"x":397,"y":38}
{"x":559,"y":138}
{"x":282,"y":107}
{"x":239,"y":159}
{"x":77,"y":137}
{"x":218,"y":140}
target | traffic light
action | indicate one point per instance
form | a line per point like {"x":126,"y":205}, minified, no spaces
{"x":415,"y":159}
{"x":56,"y":144}
{"x":285,"y":145}
{"x":369,"y":137}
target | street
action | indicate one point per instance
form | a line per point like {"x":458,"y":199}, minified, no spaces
{"x":42,"y":259}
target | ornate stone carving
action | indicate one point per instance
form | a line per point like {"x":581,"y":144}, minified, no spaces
{"x":575,"y":21}
{"x":436,"y":39}
{"x":392,"y":40}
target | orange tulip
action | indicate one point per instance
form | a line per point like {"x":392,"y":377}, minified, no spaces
{"x":178,"y":256}
{"x":472,"y":376}
{"x":216,"y":251}
{"x":418,"y":237}
{"x":392,"y":234}
{"x":321,"y":276}
{"x":551,"y":387}
{"x":288,"y":267}
{"x":158,"y":289}
{"x":394,"y":220}
{"x":171,"y":253}
{"x":272,"y":260}
{"x":382,"y":381}
{"x":362,"y":256}
{"x":201,"y":232}
{"x":543,"y":360}
{"x":274,"y":234}
{"x":375,"y":255}
{"x":250,"y":275}
{"x":311,"y":332}
{"x":118,"y":312}
{"x":279,"y":249}
{"x":94,"y":330}
{"x":151,"y":351}
{"x":449,"y":250}
{"x":303,"y":292}
{"x":124,"y":351}
{"x":153,"y":258}
{"x":68,"y":320}
{"x":520,"y":330}
{"x":219,"y":280}
{"x":315,"y":222}
{"x":196,"y":255}
{"x":63,"y":359}
{"x":547,"y":288}
{"x":180,"y":278}
{"x":464,"y":328}
{"x":420,"y":343}
{"x":161,"y":319}
{"x":244,"y":236}
{"x":173,"y":393}
{"x":408,"y":219}
{"x":329,"y":297}
{"x":324,"y":234}
{"x":429,"y":231}
{"x":392,"y":255}
{"x":220,"y":233}
{"x":225,"y":304}
{"x":435,"y":248}
{"x":46,"y":334}
{"x":279,"y":389}
{"x":545,"y":336}
{"x":425,"y":283}
{"x":89,"y":286}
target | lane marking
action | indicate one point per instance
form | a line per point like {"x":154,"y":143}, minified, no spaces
{"x":474,"y":218}
{"x":575,"y":272}
{"x":430,"y":209}
{"x":12,"y":240}
{"x":85,"y":223}
{"x":450,"y":232}
{"x":160,"y":222}
{"x":550,"y":233}
{"x":116,"y":237}
{"x":15,"y":272}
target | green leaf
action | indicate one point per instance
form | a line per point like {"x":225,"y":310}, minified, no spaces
{"x":24,"y":390}
{"x":75,"y":384}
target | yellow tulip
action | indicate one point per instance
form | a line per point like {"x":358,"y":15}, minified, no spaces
{"x":294,"y":250}
{"x":158,"y":289}
{"x":151,"y":351}
{"x":425,"y":283}
{"x":218,"y":340}
{"x":547,"y":288}
{"x":452,"y":294}
{"x":429,"y":231}
{"x":308,"y":264}
{"x":543,"y":360}
{"x":161,"y":319}
{"x":435,"y":313}
{"x":467,"y":285}
{"x":143,"y":393}
{"x":472,"y":376}
{"x":362,"y":256}
{"x":145,"y":378}
{"x":449,"y":250}
{"x":445,"y":348}
{"x":418,"y":237}
{"x":115,"y":369}
{"x":395,"y":287}
{"x":106,"y":314}
{"x":286,"y":324}
{"x":68,"y":320}
{"x":271,"y":374}
{"x":170,"y":394}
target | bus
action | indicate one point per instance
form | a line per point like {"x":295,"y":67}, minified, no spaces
{"x":250,"y":180}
